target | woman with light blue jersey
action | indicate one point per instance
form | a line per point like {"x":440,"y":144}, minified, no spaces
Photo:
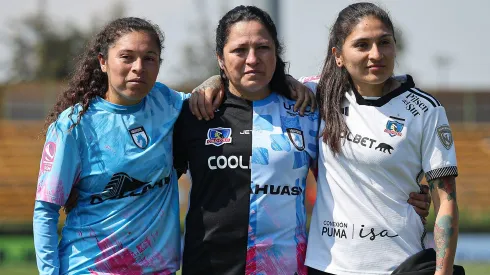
{"x":110,"y":136}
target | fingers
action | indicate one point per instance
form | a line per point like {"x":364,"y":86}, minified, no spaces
{"x":301,"y":96}
{"x":306,"y":102}
{"x":218,"y":99}
{"x":202,"y":106}
{"x":208,"y":102}
{"x":420,"y":203}
{"x":193,"y":105}
{"x":313,"y":101}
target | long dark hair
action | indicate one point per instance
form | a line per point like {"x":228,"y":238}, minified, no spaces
{"x":88,"y":80}
{"x":278,"y":82}
{"x":334,"y":81}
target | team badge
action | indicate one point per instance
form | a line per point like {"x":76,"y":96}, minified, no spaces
{"x":445,"y":136}
{"x":139,"y":136}
{"x":296,"y":137}
{"x":218,"y":136}
{"x":394,"y":128}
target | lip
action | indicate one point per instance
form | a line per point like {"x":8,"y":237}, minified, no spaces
{"x":376,"y":66}
{"x":253,"y":72}
{"x":137,"y":80}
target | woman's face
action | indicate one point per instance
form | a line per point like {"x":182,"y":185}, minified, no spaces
{"x":368,"y":52}
{"x":249,"y":59}
{"x":132,"y":66}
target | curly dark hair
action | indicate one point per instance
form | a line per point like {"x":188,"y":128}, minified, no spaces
{"x":88,"y":80}
{"x":278,"y":82}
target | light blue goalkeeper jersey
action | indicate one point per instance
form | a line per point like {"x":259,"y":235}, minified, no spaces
{"x":119,"y":158}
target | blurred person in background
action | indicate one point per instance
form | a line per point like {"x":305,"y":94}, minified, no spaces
{"x":379,"y":135}
{"x":249,"y":162}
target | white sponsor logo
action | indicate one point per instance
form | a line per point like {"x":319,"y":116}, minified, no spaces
{"x":222,"y":162}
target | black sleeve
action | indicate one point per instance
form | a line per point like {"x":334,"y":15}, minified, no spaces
{"x":179,"y":143}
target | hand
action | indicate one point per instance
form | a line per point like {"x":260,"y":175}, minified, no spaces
{"x":71,"y":202}
{"x":421,"y":202}
{"x":302,"y":94}
{"x":206,"y":98}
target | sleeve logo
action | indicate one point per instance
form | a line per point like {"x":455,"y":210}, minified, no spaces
{"x":218,"y":136}
{"x":445,"y":136}
{"x":47,"y":158}
{"x":139,"y":136}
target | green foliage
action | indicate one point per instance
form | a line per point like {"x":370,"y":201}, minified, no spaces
{"x":45,"y":51}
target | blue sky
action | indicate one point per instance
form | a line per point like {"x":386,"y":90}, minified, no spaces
{"x":451,"y":29}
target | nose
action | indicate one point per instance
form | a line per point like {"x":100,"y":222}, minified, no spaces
{"x":375,"y":53}
{"x":252,"y":58}
{"x":138,"y":66}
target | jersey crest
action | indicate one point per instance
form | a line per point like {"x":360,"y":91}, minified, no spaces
{"x":139,"y":136}
{"x":297,"y":138}
{"x":218,"y":136}
{"x":394,"y":128}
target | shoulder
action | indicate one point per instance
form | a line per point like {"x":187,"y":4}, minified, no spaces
{"x":67,"y":118}
{"x":161,"y":92}
{"x":414,"y":97}
{"x":310,"y":81}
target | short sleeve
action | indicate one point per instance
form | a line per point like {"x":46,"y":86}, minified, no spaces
{"x":310,"y":81}
{"x":60,"y":165}
{"x":438,"y":152}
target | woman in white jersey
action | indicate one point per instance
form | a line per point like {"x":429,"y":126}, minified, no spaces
{"x":379,"y":136}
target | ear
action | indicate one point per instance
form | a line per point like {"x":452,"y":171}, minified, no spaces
{"x":220,"y":62}
{"x":102,"y":62}
{"x":338,"y":57}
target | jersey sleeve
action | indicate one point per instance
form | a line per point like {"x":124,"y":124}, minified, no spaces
{"x":60,"y":165}
{"x":172,"y":97}
{"x":310,"y":81}
{"x":438,"y":152}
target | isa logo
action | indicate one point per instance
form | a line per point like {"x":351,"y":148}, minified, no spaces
{"x":394,"y":128}
{"x":139,"y":136}
{"x":218,"y":136}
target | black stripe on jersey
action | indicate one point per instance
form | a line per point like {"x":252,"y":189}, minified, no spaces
{"x":407,"y":85}
{"x":397,"y":118}
{"x":427,"y":96}
{"x":442,"y":172}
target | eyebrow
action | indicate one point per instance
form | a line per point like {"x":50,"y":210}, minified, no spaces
{"x":365,"y":38}
{"x":131,"y":51}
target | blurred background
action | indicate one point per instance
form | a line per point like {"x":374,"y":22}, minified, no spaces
{"x":443,"y":44}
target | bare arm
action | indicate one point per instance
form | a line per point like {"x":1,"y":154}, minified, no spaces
{"x":446,"y":230}
{"x":206,"y":98}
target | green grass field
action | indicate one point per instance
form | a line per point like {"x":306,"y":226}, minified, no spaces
{"x":18,"y":258}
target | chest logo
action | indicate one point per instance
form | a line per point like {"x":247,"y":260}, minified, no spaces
{"x":139,"y":136}
{"x":445,"y":136}
{"x":394,"y":128}
{"x":218,"y":136}
{"x":296,"y":137}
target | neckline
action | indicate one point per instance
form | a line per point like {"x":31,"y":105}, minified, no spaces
{"x":116,"y":108}
{"x":407,"y":83}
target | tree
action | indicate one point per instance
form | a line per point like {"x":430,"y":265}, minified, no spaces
{"x":43,"y":52}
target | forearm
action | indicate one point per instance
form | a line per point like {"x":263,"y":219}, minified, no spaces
{"x":446,"y":227}
{"x":214,"y":82}
{"x":45,"y":224}
{"x":446,"y":231}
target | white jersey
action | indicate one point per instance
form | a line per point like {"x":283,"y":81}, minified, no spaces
{"x":361,"y":222}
